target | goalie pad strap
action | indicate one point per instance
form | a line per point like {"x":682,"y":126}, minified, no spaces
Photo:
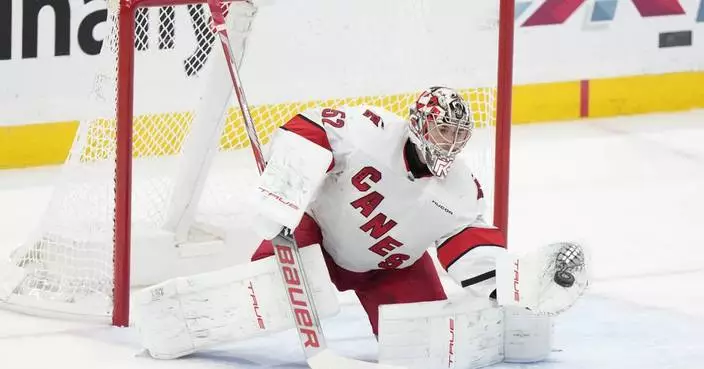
{"x":478,"y":279}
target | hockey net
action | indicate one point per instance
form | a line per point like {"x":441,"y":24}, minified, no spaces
{"x":191,"y":166}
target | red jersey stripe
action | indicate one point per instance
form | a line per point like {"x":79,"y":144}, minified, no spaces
{"x":456,"y":246}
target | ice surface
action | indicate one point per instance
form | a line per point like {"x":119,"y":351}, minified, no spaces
{"x":632,"y":189}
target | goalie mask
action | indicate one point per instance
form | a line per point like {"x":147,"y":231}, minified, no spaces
{"x":441,"y":125}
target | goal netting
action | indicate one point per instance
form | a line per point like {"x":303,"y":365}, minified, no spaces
{"x":191,"y":167}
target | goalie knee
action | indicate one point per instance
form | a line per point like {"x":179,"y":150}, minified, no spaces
{"x":306,"y":234}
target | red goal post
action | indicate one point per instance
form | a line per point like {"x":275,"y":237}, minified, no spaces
{"x":142,"y":168}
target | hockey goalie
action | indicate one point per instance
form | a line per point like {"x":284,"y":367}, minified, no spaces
{"x":367,"y":193}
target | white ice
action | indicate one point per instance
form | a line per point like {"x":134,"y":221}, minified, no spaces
{"x":632,"y":189}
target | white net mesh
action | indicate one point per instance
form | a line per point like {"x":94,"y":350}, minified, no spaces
{"x":68,"y":263}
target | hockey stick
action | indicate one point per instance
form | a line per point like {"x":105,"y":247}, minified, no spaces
{"x":288,"y":258}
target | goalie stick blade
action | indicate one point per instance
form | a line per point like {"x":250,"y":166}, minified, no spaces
{"x":327,"y":359}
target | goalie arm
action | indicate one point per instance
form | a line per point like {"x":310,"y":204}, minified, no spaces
{"x":470,"y":255}
{"x":547,"y":280}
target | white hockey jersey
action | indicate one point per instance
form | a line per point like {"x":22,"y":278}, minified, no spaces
{"x":376,"y":213}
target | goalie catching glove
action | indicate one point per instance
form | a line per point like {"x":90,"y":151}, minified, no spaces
{"x":547,"y":281}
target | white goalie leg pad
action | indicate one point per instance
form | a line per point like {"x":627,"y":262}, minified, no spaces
{"x":527,"y":336}
{"x":462,"y":334}
{"x":466,"y":333}
{"x":184,"y":315}
{"x":294,"y":171}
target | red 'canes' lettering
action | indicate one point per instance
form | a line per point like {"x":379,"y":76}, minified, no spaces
{"x":379,"y":225}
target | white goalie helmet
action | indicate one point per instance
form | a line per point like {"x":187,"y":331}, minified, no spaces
{"x":441,"y":125}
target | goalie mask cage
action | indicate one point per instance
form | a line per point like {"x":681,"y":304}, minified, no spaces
{"x":156,"y":184}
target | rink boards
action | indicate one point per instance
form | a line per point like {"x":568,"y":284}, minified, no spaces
{"x":48,"y":143}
